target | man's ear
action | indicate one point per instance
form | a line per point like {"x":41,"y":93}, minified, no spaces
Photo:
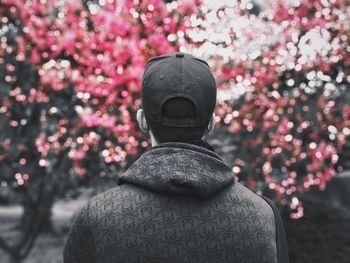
{"x":211,"y":125}
{"x":141,"y":119}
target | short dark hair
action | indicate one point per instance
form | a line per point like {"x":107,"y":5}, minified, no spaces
{"x":179,"y":107}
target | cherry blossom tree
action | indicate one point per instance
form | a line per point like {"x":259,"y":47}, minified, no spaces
{"x":283,"y":74}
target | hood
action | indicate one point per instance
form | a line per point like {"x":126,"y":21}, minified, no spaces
{"x":179,"y":168}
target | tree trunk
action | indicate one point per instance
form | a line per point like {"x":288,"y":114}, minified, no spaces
{"x":29,"y":210}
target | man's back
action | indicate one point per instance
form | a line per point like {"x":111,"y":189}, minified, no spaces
{"x":177,"y":203}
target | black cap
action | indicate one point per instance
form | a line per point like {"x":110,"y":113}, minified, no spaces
{"x":178,"y":75}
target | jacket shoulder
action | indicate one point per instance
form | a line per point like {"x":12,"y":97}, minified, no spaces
{"x":269,"y":212}
{"x":119,"y":193}
{"x":251,"y":201}
{"x":115,"y":202}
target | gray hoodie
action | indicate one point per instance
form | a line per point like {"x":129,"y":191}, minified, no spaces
{"x":177,"y":203}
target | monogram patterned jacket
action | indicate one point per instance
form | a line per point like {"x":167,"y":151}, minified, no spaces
{"x":177,"y":203}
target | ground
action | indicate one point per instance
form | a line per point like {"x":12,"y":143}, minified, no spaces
{"x":48,"y":247}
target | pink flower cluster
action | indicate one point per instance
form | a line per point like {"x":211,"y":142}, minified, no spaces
{"x":100,"y":50}
{"x":283,"y":89}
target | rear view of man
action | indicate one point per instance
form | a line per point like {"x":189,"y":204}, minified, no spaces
{"x":179,"y":201}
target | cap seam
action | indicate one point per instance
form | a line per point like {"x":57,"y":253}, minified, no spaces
{"x":207,"y":73}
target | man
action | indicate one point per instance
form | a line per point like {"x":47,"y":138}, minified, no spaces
{"x":179,"y":201}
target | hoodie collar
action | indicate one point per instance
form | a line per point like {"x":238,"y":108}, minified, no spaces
{"x":179,"y":168}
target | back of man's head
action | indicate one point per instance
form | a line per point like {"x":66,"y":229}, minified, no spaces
{"x":178,"y":97}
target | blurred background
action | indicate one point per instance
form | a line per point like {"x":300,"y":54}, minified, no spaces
{"x":70,"y":78}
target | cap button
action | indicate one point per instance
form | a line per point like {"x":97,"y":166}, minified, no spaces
{"x":180,"y":55}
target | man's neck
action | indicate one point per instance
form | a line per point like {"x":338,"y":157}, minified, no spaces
{"x":201,"y":143}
